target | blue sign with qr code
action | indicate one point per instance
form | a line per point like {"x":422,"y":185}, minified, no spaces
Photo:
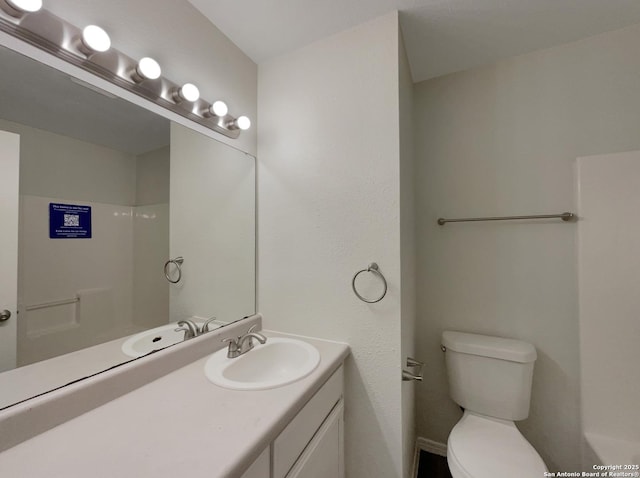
{"x":69,"y":221}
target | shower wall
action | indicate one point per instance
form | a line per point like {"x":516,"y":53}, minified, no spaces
{"x":114,"y":285}
{"x":609,"y":274}
{"x":503,"y":140}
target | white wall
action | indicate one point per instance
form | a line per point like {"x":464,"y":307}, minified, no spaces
{"x":152,"y":177}
{"x":502,"y":140}
{"x":184,"y":42}
{"x":329,"y":189}
{"x":52,"y":165}
{"x":151,"y":238}
{"x":150,"y":251}
{"x":213,"y":227}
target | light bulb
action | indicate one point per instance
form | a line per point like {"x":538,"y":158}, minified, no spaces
{"x":28,"y":6}
{"x":243,"y":123}
{"x":219,"y":108}
{"x":147,"y":69}
{"x":17,"y":8}
{"x":189,"y":92}
{"x":95,"y":39}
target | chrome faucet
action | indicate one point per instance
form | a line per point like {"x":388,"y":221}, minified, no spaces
{"x":190,"y":328}
{"x":244,"y":343}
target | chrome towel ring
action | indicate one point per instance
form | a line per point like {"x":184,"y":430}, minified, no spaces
{"x":176,"y":262}
{"x":373,"y":268}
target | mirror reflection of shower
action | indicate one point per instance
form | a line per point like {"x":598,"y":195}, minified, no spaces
{"x":94,"y":232}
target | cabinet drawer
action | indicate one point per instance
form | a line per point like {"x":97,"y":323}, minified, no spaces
{"x":293,"y":440}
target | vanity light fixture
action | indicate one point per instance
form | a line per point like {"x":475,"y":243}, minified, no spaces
{"x":141,"y":77}
{"x":17,"y":8}
{"x":94,"y":40}
{"x":188,"y":92}
{"x":146,"y":69}
{"x":241,"y":122}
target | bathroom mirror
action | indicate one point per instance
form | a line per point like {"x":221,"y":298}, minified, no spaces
{"x":127,"y":224}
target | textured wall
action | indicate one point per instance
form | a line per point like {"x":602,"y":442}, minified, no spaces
{"x":407,"y":249}
{"x":58,"y":166}
{"x":503,"y":140}
{"x":328,"y":183}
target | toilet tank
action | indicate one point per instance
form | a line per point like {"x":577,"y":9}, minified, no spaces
{"x":489,"y":375}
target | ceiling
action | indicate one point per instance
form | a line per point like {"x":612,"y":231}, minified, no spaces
{"x":441,"y":36}
{"x":35,"y":95}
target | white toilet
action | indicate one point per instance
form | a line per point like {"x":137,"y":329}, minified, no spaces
{"x":490,"y":378}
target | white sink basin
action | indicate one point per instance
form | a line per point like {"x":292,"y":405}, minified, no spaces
{"x":278,"y":362}
{"x":153,"y":339}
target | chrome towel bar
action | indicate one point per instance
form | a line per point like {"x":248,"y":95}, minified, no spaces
{"x":565,"y":216}
{"x":53,"y":303}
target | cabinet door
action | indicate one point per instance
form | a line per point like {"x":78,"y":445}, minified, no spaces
{"x":324,"y":456}
{"x":293,"y":440}
{"x":260,"y":467}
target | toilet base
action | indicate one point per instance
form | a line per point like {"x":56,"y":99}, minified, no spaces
{"x":487,"y":447}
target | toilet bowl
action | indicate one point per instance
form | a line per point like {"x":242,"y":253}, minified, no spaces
{"x":490,"y":378}
{"x":485,"y":447}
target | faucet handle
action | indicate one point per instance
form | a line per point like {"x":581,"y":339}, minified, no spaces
{"x":252,"y":331}
{"x":245,"y":343}
{"x":231,"y":341}
{"x":190,"y":329}
{"x":205,"y":326}
{"x":234,"y":347}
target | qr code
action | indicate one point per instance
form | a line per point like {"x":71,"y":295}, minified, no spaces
{"x":71,"y":220}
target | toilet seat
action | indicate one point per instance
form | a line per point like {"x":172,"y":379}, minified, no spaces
{"x":485,"y":447}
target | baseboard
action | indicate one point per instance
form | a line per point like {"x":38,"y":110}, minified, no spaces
{"x":431,"y":446}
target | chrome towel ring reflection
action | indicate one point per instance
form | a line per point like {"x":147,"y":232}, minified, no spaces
{"x":373,"y":268}
{"x":176,"y":262}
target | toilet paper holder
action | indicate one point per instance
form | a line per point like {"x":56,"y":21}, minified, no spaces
{"x":417,"y":376}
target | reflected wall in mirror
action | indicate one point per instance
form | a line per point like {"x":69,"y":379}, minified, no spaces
{"x":108,"y":192}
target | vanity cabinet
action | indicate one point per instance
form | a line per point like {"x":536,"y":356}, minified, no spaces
{"x":324,"y":455}
{"x":261,"y":468}
{"x":312,"y":444}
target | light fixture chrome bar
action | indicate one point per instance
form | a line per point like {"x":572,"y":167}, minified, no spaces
{"x":56,"y":36}
{"x":54,"y":303}
{"x":565,"y":216}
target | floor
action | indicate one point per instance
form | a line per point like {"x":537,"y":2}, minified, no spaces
{"x":432,"y":466}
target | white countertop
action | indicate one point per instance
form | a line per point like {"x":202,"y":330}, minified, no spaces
{"x":33,"y":379}
{"x":178,"y":425}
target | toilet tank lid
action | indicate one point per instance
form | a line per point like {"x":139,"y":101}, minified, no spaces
{"x":488,"y":346}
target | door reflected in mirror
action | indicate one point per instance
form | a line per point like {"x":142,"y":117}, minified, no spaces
{"x":100,"y":194}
